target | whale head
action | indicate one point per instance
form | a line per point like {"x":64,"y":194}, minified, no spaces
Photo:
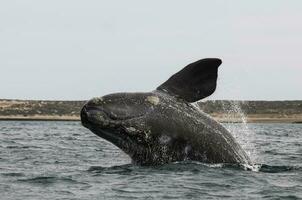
{"x":143,"y":125}
{"x":121,"y":119}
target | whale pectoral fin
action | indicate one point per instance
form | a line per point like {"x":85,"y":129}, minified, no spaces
{"x":194,"y":82}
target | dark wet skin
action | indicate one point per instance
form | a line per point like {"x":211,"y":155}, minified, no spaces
{"x":156,"y":128}
{"x":161,"y":127}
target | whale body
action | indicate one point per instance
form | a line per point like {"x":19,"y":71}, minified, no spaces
{"x":163,"y":126}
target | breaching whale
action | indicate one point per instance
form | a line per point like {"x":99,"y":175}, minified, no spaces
{"x":164,"y":126}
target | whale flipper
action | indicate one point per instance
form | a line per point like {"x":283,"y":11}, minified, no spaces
{"x":194,"y":82}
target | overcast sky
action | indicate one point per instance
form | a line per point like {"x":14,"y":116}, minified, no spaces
{"x":71,"y":49}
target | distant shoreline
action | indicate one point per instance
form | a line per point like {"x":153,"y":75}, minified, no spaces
{"x":255,"y":119}
{"x":39,"y":118}
{"x":222,"y":110}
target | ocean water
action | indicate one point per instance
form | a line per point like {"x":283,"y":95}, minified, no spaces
{"x":63,"y":160}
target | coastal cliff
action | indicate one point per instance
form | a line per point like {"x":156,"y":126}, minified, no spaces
{"x":222,"y":110}
{"x":254,"y":111}
{"x":40,"y":110}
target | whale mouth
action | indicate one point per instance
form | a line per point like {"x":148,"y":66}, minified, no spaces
{"x":94,"y":116}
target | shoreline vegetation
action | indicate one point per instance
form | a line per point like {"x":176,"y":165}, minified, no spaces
{"x":222,"y":110}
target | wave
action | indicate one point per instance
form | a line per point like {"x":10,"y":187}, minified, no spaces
{"x":13,"y":174}
{"x":48,"y":180}
{"x":279,"y":169}
{"x":192,"y":166}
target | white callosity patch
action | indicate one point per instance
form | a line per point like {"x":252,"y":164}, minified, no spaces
{"x":153,"y":100}
{"x":131,"y":130}
{"x":102,"y":119}
{"x":164,"y":139}
{"x":97,"y":100}
{"x":147,"y":133}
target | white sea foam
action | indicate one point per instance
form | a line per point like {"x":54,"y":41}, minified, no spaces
{"x":241,"y":130}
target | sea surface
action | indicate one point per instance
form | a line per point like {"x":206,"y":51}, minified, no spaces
{"x":63,"y":160}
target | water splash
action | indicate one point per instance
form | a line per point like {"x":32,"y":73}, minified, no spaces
{"x":238,"y":126}
{"x":253,"y":168}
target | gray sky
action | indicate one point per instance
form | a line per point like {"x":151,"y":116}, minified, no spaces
{"x":71,"y":49}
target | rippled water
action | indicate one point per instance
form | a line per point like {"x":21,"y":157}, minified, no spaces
{"x":62,"y":160}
